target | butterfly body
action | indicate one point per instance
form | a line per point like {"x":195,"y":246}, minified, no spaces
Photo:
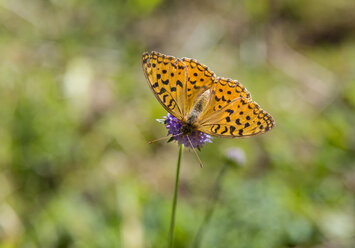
{"x":203,"y":102}
{"x":198,"y":107}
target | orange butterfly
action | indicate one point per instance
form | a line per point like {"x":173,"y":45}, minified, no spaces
{"x":203,"y":102}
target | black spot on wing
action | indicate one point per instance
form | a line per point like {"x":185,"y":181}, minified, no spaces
{"x":215,"y":128}
{"x":171,"y":103}
{"x":162,"y":90}
{"x":230,"y":111}
{"x":164,"y":97}
{"x":232,"y":129}
{"x":225,"y":130}
{"x":178,"y":82}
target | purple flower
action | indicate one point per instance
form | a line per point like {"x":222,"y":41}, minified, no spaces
{"x":197,"y":138}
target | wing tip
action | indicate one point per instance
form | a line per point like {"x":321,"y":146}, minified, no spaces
{"x":145,"y":57}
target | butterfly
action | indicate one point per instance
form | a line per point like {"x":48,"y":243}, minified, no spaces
{"x":203,"y":102}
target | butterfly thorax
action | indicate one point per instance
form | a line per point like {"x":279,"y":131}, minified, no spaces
{"x":190,"y":122}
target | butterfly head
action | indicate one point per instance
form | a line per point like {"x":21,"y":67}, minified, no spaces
{"x":187,"y":128}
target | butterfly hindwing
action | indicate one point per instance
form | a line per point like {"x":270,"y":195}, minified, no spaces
{"x":224,"y":91}
{"x":240,"y":118}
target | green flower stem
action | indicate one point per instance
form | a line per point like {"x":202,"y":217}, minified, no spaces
{"x":172,"y":221}
{"x":211,"y":206}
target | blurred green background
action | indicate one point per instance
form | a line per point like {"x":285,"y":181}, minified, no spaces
{"x":76,"y":115}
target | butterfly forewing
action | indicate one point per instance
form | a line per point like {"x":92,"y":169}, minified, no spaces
{"x":162,"y":73}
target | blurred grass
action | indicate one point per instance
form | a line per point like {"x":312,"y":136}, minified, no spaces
{"x":76,"y":115}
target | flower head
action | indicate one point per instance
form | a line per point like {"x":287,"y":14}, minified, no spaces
{"x":197,"y":138}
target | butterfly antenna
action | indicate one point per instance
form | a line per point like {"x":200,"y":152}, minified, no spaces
{"x":193,"y":148}
{"x":163,"y":138}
